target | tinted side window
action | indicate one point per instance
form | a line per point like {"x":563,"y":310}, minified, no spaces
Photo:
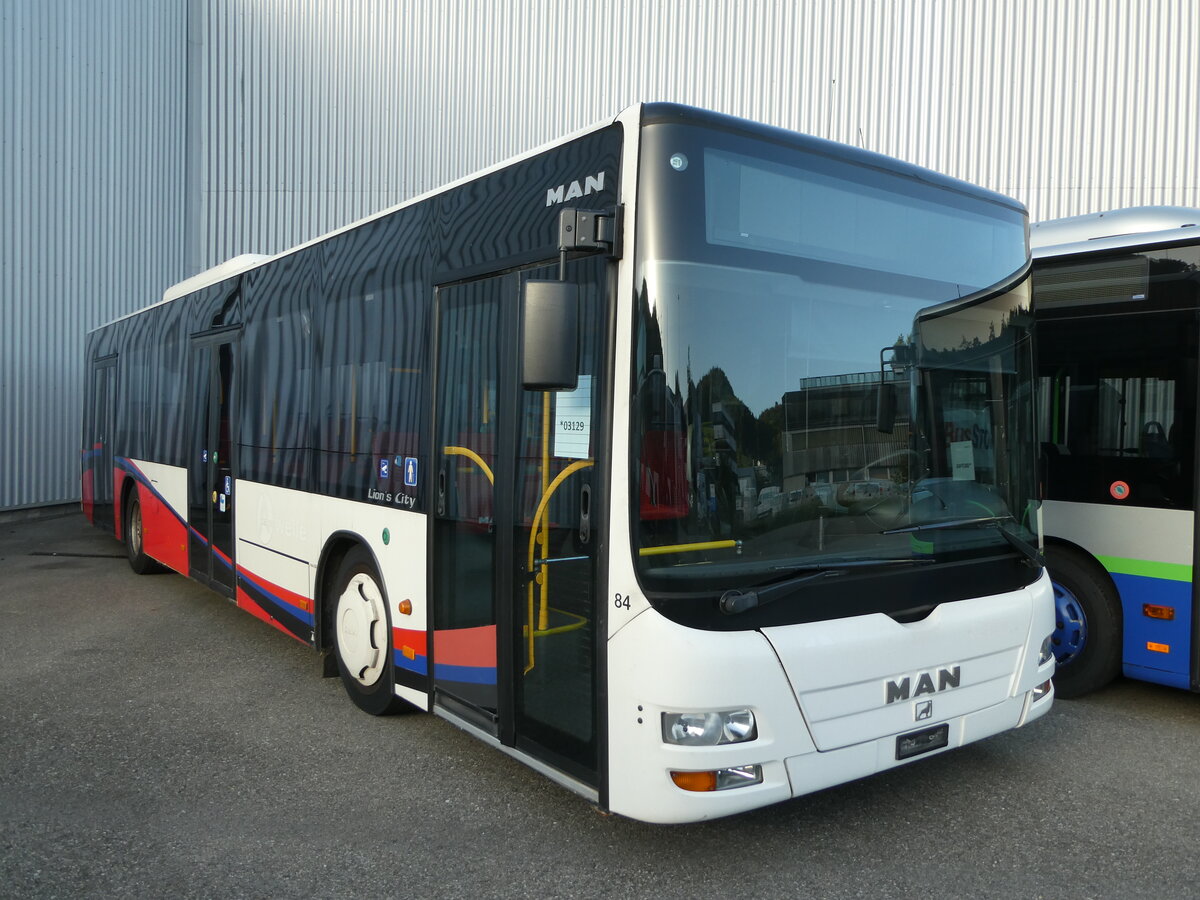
{"x":1117,"y":348}
{"x":277,"y":347}
{"x":168,"y":419}
{"x":370,"y":379}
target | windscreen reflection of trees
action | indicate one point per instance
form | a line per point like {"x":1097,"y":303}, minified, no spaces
{"x":840,"y":458}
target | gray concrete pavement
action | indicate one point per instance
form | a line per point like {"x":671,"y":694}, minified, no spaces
{"x":156,"y":741}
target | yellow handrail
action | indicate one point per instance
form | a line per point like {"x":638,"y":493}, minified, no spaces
{"x":544,"y":539}
{"x":544,"y":612}
{"x":474,"y":457}
{"x":688,"y":548}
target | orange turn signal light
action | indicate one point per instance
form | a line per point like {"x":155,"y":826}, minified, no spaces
{"x":695,"y":781}
{"x":1158,"y":648}
{"x":1153,"y":611}
{"x":406,"y":607}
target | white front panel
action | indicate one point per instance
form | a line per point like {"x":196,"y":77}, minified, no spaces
{"x":656,"y":666}
{"x":852,"y":713}
{"x":840,"y":670}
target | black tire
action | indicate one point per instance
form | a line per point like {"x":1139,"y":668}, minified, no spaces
{"x":135,"y":532}
{"x":1088,"y":624}
{"x":362,"y":630}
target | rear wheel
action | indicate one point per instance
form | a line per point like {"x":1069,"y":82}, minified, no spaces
{"x":135,"y":536}
{"x":362,"y":635}
{"x":1088,"y":623}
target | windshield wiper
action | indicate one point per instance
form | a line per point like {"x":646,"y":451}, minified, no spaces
{"x":1028,"y":550}
{"x":736,"y":600}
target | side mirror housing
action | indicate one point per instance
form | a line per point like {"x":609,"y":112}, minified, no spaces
{"x":550,"y":336}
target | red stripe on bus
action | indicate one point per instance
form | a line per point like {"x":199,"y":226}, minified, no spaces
{"x":246,"y":602}
{"x":89,"y":508}
{"x":118,"y":476}
{"x":290,"y":597}
{"x":164,"y":535}
{"x":411,"y":638}
{"x":466,"y":646}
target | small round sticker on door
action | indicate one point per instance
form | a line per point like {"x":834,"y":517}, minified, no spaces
{"x":1119,"y":490}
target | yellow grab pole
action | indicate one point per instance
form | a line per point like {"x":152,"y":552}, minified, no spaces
{"x":535,"y":524}
{"x":544,"y":609}
{"x":688,"y":548}
{"x":474,"y":457}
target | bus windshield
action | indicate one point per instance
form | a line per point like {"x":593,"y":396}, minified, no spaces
{"x":833,"y":367}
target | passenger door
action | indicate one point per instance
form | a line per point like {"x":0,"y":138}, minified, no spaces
{"x":104,"y":379}
{"x":210,"y":462}
{"x":514,"y":586}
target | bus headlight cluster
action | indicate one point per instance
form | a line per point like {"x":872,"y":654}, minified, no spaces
{"x":719,"y":780}
{"x":708,"y":729}
{"x":1047,"y":652}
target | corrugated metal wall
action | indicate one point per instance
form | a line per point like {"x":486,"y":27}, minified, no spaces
{"x":91,"y":161}
{"x":206,"y":128}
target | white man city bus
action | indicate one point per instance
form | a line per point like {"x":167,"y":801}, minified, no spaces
{"x":1117,"y":296}
{"x":496,"y":454}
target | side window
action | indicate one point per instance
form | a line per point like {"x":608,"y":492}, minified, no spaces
{"x":132,"y":411}
{"x":276,"y":426}
{"x":1117,"y":382}
{"x":370,"y":370}
{"x":170,"y":370}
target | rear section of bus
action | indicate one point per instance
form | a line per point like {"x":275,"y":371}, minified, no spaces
{"x":1117,"y":297}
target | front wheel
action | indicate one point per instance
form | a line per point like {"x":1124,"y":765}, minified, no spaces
{"x":362,"y":631}
{"x":1088,"y":623}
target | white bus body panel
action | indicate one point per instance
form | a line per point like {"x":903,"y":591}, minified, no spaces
{"x":1124,"y":532}
{"x":819,"y":695}
{"x":281,"y":533}
{"x":169,"y":482}
{"x":276,"y":538}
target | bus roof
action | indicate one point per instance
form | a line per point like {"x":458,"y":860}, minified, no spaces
{"x":634,"y":115}
{"x":654,"y":113}
{"x":246,"y":261}
{"x":1113,"y":230}
{"x":219,"y":272}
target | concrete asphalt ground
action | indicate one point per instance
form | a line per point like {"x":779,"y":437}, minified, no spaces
{"x":155,"y":741}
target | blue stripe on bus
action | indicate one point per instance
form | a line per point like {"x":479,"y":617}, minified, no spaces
{"x":262,"y":592}
{"x":465,"y":674}
{"x":128,"y":466}
{"x":419,"y":664}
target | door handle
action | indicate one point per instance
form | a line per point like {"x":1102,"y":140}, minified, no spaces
{"x":441,"y":491}
{"x":585,"y":514}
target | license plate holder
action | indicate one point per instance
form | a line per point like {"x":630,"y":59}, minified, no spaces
{"x":924,"y":741}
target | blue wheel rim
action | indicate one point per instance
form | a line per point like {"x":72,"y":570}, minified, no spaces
{"x":1070,"y":626}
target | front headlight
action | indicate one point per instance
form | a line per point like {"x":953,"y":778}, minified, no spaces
{"x":708,"y":729}
{"x":1047,"y":652}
